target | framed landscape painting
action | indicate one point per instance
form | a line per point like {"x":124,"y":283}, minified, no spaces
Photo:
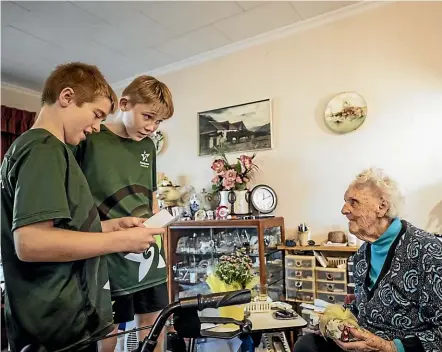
{"x":238,"y":128}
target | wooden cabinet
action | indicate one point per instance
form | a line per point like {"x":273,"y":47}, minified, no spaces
{"x":194,"y":247}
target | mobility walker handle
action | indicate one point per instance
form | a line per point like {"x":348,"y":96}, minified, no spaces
{"x":185,"y":308}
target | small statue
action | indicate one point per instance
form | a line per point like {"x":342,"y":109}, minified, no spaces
{"x":173,"y":195}
{"x":194,"y":203}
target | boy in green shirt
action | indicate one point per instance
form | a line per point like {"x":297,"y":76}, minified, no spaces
{"x":120,"y":166}
{"x":57,"y":288}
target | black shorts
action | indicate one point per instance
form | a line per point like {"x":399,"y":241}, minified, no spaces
{"x":149,"y":300}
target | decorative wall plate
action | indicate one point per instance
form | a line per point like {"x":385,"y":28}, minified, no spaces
{"x":158,"y":139}
{"x":345,"y":113}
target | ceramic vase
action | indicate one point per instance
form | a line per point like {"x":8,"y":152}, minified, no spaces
{"x":241,"y":206}
{"x":223,"y":197}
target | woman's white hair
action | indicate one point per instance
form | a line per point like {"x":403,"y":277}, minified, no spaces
{"x":388,"y":187}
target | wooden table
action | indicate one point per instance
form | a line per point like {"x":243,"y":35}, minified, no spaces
{"x":320,"y":248}
{"x":264,"y":322}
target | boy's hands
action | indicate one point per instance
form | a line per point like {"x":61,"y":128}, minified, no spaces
{"x":138,"y":239}
{"x":135,"y":237}
{"x":121,"y":224}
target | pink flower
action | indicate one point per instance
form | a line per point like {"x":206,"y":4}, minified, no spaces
{"x":247,"y":161}
{"x":218,"y":165}
{"x":238,"y":179}
{"x":230,"y":175}
{"x":228,"y":184}
{"x":215,"y":179}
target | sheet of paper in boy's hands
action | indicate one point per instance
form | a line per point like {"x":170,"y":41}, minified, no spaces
{"x":161,"y":219}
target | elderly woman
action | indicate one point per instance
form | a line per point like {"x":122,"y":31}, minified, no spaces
{"x":398,"y":275}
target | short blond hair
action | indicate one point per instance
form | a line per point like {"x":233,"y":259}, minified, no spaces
{"x":86,"y":81}
{"x":149,"y":90}
{"x":389,"y":189}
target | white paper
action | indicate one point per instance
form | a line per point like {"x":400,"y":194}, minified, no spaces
{"x":160,"y":219}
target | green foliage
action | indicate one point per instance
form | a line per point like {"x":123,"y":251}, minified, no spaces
{"x":235,"y":269}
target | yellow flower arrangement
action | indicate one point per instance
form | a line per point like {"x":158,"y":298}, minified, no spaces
{"x":233,"y":272}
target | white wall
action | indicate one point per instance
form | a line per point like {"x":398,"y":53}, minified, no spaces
{"x":391,"y":55}
{"x":20,"y":98}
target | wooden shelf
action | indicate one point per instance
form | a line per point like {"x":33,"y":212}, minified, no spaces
{"x":320,"y":248}
{"x":264,"y":222}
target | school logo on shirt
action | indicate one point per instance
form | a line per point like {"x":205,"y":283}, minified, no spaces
{"x":145,"y":259}
{"x":144,"y":160}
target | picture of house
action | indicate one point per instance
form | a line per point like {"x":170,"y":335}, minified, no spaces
{"x":236,"y":128}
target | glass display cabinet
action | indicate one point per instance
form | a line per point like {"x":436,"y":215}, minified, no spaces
{"x":194,"y":247}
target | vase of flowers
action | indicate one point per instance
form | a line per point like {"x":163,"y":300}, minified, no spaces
{"x":233,"y":272}
{"x":233,"y":177}
{"x":223,"y":199}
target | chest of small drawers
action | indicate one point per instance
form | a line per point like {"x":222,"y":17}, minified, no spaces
{"x":300,"y":273}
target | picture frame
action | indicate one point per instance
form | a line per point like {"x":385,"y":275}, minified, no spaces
{"x":237,"y":128}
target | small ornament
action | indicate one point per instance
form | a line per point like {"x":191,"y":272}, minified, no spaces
{"x":345,"y":336}
{"x":210,"y":214}
{"x":335,"y":323}
{"x":158,"y":139}
{"x":200,"y":215}
{"x":221,"y":212}
{"x":205,"y":200}
{"x":194,"y":203}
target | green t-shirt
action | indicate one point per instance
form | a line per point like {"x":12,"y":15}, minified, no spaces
{"x":51,"y":304}
{"x":122,"y":177}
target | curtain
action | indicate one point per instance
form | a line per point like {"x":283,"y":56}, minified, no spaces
{"x":14,"y":123}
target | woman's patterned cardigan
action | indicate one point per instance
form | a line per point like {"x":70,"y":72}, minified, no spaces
{"x":406,"y":301}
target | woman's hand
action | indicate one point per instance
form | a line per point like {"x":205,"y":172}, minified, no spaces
{"x":368,"y":342}
{"x":122,"y":224}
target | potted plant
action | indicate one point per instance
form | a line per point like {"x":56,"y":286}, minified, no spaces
{"x":233,"y":177}
{"x":233,"y":272}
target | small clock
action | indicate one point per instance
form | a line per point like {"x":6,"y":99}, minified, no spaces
{"x":263,"y":199}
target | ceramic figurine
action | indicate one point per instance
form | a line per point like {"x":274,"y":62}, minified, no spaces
{"x":194,"y":203}
{"x":172,"y":195}
{"x":210,"y":214}
{"x":206,"y":200}
{"x":336,"y":329}
{"x":221,"y":212}
{"x":335,"y":323}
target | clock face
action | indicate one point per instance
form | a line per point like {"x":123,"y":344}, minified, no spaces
{"x":264,"y":199}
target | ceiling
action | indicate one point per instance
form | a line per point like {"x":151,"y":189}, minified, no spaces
{"x":127,"y":38}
